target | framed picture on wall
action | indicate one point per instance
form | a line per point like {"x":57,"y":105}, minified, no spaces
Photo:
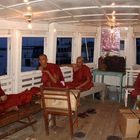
{"x":110,"y":39}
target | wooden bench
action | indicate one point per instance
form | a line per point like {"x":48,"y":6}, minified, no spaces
{"x":24,"y":112}
{"x":98,"y":87}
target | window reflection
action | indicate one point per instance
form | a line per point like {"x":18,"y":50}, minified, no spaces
{"x":87,"y":49}
{"x":3,"y":55}
{"x":63,"y":50}
{"x":138,"y":51}
{"x":32,"y":47}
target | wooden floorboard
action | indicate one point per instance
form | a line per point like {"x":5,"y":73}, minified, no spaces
{"x":95,"y":127}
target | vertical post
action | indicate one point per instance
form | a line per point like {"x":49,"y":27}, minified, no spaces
{"x":51,"y":48}
{"x":97,"y":49}
{"x":16,"y":59}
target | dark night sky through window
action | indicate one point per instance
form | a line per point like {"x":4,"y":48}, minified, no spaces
{"x":32,"y":41}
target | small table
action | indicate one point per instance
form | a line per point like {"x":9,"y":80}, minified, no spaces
{"x":109,"y":73}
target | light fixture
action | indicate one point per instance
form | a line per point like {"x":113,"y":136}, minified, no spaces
{"x":28,"y":17}
{"x":54,"y":30}
{"x":113,"y":4}
{"x":26,"y":1}
{"x":126,"y":28}
{"x":114,"y":12}
{"x":29,"y":23}
{"x":112,"y":30}
{"x":29,"y":26}
{"x":113,"y":18}
{"x":29,"y":8}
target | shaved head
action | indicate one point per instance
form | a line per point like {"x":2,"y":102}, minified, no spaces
{"x":79,"y":61}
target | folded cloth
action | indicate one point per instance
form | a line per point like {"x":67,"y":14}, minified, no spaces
{"x":35,"y":90}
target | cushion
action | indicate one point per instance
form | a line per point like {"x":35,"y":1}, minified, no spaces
{"x":59,"y":104}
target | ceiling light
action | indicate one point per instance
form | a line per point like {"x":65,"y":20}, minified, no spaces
{"x":113,"y":18}
{"x":111,"y":30}
{"x":126,"y":28}
{"x":29,"y":8}
{"x":26,"y":1}
{"x":114,"y":12}
{"x":113,"y":3}
{"x":28,"y":17}
{"x":29,"y":26}
{"x":54,"y":30}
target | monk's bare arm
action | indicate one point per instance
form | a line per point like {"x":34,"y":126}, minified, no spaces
{"x":41,"y":68}
{"x":83,"y":84}
{"x":53,"y":78}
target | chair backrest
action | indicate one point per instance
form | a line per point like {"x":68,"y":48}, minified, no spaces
{"x":67,"y":73}
{"x":59,"y":99}
{"x":131,"y":76}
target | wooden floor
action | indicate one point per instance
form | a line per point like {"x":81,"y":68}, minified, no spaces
{"x":95,"y":126}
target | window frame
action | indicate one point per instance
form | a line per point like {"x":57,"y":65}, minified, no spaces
{"x":72,"y":47}
{"x":138,"y":36}
{"x":88,"y":36}
{"x":44,"y":49}
{"x":9,"y":55}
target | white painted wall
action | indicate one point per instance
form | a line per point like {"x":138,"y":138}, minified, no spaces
{"x":17,"y":29}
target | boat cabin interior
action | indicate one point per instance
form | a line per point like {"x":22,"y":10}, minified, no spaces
{"x":106,"y":33}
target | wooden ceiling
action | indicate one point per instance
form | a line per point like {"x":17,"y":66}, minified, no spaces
{"x":79,"y":12}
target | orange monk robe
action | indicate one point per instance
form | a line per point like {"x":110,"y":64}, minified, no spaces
{"x":136,"y":87}
{"x":79,"y":77}
{"x":55,"y":71}
{"x":19,"y":99}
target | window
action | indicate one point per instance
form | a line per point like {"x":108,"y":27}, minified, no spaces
{"x":3,"y":55}
{"x":122,"y":45}
{"x":32,"y":47}
{"x":138,"y":51}
{"x":87,"y":49}
{"x":63,"y":52}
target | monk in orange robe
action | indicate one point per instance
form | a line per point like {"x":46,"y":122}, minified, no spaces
{"x":82,"y":77}
{"x":51,"y":73}
{"x":13,"y":101}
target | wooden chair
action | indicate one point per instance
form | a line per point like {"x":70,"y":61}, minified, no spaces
{"x":131,"y":76}
{"x":62,"y":102}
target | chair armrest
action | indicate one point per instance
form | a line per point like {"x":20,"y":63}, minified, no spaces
{"x":129,"y":88}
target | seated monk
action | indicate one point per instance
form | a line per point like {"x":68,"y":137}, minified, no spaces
{"x":82,"y":77}
{"x":51,"y":73}
{"x":13,"y":101}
